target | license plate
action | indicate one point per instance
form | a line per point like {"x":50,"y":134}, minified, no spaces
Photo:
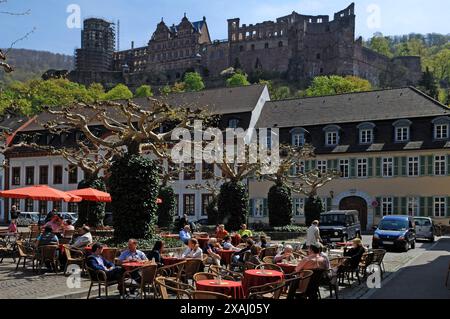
{"x":388,"y":243}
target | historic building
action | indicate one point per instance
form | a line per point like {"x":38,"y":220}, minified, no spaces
{"x":294,"y":47}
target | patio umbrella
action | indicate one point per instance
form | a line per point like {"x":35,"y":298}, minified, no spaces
{"x":40,"y":192}
{"x":91,"y":195}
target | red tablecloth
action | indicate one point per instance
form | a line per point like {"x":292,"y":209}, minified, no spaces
{"x":167,"y":261}
{"x":226,"y":256}
{"x":287,"y":268}
{"x":203,"y":242}
{"x":229,"y":288}
{"x":256,"y":277}
{"x":133,"y":264}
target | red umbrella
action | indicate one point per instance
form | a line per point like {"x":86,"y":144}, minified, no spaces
{"x":40,"y":192}
{"x":91,"y":195}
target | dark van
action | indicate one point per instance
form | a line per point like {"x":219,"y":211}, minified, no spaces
{"x":340,"y":226}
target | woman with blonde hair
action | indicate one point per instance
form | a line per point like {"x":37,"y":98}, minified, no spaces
{"x":356,"y":252}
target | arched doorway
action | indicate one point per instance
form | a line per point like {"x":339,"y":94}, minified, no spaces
{"x":356,"y":203}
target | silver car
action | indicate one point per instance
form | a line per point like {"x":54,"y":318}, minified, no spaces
{"x":27,"y":218}
{"x":424,"y":228}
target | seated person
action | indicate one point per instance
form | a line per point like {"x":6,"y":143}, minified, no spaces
{"x":185,"y":234}
{"x":193,"y":250}
{"x":156,"y":252}
{"x":355,"y":253}
{"x":254,"y":255}
{"x":132,"y":253}
{"x":85,"y":239}
{"x":286,"y":254}
{"x":238,"y":257}
{"x":313,"y":261}
{"x":68,"y":225}
{"x":245,"y":232}
{"x":227,"y":245}
{"x":221,"y":232}
{"x":212,"y":251}
{"x":263,"y":242}
{"x":56,"y":223}
{"x":47,"y":238}
{"x":97,"y":262}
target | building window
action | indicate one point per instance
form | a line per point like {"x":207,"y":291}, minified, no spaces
{"x":298,"y":207}
{"x":57,"y":174}
{"x":266,"y":45}
{"x":189,"y":204}
{"x":43,"y":175}
{"x":280,"y":44}
{"x":72,"y":207}
{"x":233,"y":123}
{"x":29,"y":207}
{"x":258,"y":209}
{"x":388,"y":167}
{"x":344,"y":167}
{"x":440,"y":165}
{"x":15,"y":176}
{"x":29,"y":175}
{"x":332,"y":138}
{"x":73,"y":174}
{"x":298,"y":139}
{"x":402,"y":134}
{"x":366,"y":136}
{"x":206,"y":200}
{"x":362,"y":168}
{"x":189,"y":171}
{"x":322,"y":166}
{"x":413,"y":206}
{"x":440,"y":207}
{"x":269,"y":140}
{"x":413,"y":166}
{"x":387,"y":206}
{"x":57,"y":205}
{"x":441,"y":131}
{"x":207,"y":171}
{"x":43,"y":207}
{"x":298,"y":168}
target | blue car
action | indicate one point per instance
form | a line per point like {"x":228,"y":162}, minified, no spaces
{"x":395,"y":232}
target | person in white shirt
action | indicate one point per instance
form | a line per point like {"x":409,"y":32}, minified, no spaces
{"x":193,"y":250}
{"x":227,"y":245}
{"x":84,"y":240}
{"x":287,"y":254}
{"x":313,"y":234}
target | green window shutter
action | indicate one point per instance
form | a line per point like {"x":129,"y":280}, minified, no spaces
{"x":430,"y":165}
{"x":313,"y":165}
{"x":307,"y":166}
{"x":396,"y":169}
{"x":430,"y":207}
{"x":370,"y":167}
{"x":396,"y":207}
{"x":422,"y":206}
{"x":291,"y":170}
{"x":330,"y":165}
{"x":251,"y":206}
{"x":378,"y":208}
{"x":448,"y":165}
{"x":404,"y":171}
{"x":378,"y":167}
{"x":266,"y":209}
{"x":423,"y":170}
{"x":336,"y":165}
{"x":403,"y":207}
{"x":448,"y":206}
{"x":352,"y":167}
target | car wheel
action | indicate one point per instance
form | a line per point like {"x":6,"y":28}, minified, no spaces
{"x":406,"y":247}
{"x":432,"y":239}
{"x":413,"y":244}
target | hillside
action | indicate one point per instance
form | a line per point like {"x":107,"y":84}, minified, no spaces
{"x":30,"y":64}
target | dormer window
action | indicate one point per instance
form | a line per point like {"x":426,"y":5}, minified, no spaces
{"x":366,"y":133}
{"x":441,"y":128}
{"x":402,"y":131}
{"x":298,"y":137}
{"x":233,"y":123}
{"x":332,"y":135}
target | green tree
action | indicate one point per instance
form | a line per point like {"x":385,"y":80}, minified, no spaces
{"x":440,"y":64}
{"x":167,"y":209}
{"x":281,"y":93}
{"x":380,"y":44}
{"x":313,"y":209}
{"x":165,"y":90}
{"x":238,"y":79}
{"x":280,"y":205}
{"x":143,"y":91}
{"x":91,"y":213}
{"x":119,"y":92}
{"x":193,"y":82}
{"x":233,"y":204}
{"x":428,"y":84}
{"x":332,"y":85}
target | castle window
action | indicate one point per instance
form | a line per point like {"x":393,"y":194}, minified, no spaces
{"x":266,"y":45}
{"x":318,"y":56}
{"x":321,"y":70}
{"x":319,"y":20}
{"x":241,"y":48}
{"x":280,"y":44}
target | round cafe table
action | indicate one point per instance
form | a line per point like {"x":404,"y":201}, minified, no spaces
{"x":130,"y":265}
{"x":168,"y":261}
{"x":226,"y":287}
{"x":287,"y":268}
{"x":225,"y":255}
{"x":203,"y":242}
{"x":258,"y":277}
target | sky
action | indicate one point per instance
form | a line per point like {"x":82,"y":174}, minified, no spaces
{"x":47,"y":20}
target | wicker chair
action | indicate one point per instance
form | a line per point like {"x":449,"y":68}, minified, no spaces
{"x":165,"y":286}
{"x":225,"y":273}
{"x":174,"y":271}
{"x":269,"y":267}
{"x":268,"y":252}
{"x":248,"y":265}
{"x":48,"y":255}
{"x":378,"y":257}
{"x":146,"y":284}
{"x":110,"y":254}
{"x":25,"y":253}
{"x":366,"y":261}
{"x":312,"y":291}
{"x":74,"y":257}
{"x":191,"y":267}
{"x":208,"y":295}
{"x":203,"y":276}
{"x":268,"y":260}
{"x":267,"y":291}
{"x":298,"y":284}
{"x":99,"y":277}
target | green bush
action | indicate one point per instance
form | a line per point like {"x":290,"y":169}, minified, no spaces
{"x":134,"y":185}
{"x":91,"y":213}
{"x":166,"y":210}
{"x":280,"y":206}
{"x":313,"y":209}
{"x":233,"y":205}
{"x":143,"y":244}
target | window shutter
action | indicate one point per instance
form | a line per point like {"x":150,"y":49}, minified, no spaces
{"x":403,"y":208}
{"x":251,"y":207}
{"x":307,"y":166}
{"x":423,"y":170}
{"x":265,"y":210}
{"x":336,"y":164}
{"x":352,"y":167}
{"x":396,"y":207}
{"x":448,"y":164}
{"x":378,"y":167}
{"x":430,"y":165}
{"x":430,"y":206}
{"x":404,"y":171}
{"x":396,"y":169}
{"x":378,"y":208}
{"x":291,"y":170}
{"x":330,"y":165}
{"x":370,"y":167}
{"x":313,"y":165}
{"x":448,"y":206}
{"x":422,"y":206}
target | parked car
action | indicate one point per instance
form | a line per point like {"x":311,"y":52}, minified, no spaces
{"x":424,"y":228}
{"x":340,"y":226}
{"x":395,"y":232}
{"x":69,"y":216}
{"x":28,"y":218}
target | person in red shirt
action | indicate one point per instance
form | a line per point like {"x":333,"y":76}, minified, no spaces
{"x":12,"y":229}
{"x":221,"y":233}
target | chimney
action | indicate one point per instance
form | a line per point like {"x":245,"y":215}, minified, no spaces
{"x":132,"y":45}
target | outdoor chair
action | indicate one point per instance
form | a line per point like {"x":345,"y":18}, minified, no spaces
{"x":146,"y":285}
{"x":203,"y":276}
{"x":298,"y":284}
{"x":269,"y":267}
{"x":248,"y":265}
{"x":110,"y":254}
{"x":268,"y":260}
{"x":268,"y":252}
{"x":267,"y":291}
{"x":99,"y":277}
{"x":74,"y":257}
{"x":191,"y":267}
{"x":25,"y":253}
{"x":366,"y":261}
{"x":48,"y":255}
{"x":225,"y":273}
{"x":174,"y":271}
{"x":377,"y":259}
{"x":165,"y":286}
{"x":300,"y":254}
{"x":208,"y":295}
{"x":312,"y":291}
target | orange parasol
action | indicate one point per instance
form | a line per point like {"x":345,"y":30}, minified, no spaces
{"x":91,"y":195}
